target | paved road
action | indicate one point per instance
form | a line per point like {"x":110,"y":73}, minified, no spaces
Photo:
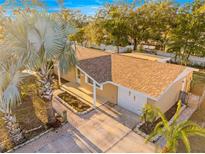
{"x":106,"y":129}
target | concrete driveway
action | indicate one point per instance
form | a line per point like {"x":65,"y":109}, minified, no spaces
{"x":106,"y":129}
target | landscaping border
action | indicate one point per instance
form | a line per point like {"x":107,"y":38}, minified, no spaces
{"x":33,"y":139}
{"x":70,"y":107}
{"x":29,"y":141}
{"x":155,"y":139}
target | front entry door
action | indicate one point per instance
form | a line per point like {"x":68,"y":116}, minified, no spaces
{"x":131,"y":100}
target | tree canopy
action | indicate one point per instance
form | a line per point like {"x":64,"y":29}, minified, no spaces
{"x":164,"y":24}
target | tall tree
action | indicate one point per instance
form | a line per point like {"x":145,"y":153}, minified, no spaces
{"x":115,"y":25}
{"x":42,"y":40}
{"x":77,"y":20}
{"x":139,"y":24}
{"x":73,"y":17}
{"x":162,"y":19}
{"x":109,"y":26}
{"x":187,"y":37}
{"x":94,"y":31}
{"x":10,"y":78}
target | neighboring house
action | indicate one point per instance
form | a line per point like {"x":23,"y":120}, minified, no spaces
{"x":147,"y":56}
{"x":128,"y":81}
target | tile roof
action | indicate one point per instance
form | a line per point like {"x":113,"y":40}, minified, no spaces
{"x":98,"y":68}
{"x":145,"y":76}
{"x":87,"y":53}
{"x":145,"y":56}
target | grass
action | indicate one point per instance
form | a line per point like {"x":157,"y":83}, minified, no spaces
{"x":198,"y":83}
{"x":31,"y":113}
{"x":197,"y":142}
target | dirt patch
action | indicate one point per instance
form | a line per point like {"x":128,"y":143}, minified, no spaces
{"x":75,"y":103}
{"x":198,"y":83}
{"x":30,"y":114}
{"x":148,"y":127}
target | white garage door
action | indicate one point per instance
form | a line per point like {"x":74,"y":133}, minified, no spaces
{"x":131,"y":100}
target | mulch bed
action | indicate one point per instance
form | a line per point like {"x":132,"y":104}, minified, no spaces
{"x":75,"y":103}
{"x":148,"y":127}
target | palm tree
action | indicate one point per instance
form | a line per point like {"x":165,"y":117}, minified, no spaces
{"x":49,"y":39}
{"x":10,"y":78}
{"x":149,"y":116}
{"x":177,"y":130}
{"x":43,"y":40}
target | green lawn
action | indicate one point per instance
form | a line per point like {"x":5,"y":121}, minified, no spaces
{"x":30,"y":114}
{"x":197,"y":143}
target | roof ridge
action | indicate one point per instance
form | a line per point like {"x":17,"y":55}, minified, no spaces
{"x":96,"y":50}
{"x":137,"y":58}
{"x":151,"y":61}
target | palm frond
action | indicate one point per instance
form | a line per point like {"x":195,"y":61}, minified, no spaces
{"x":10,"y":78}
{"x":178,"y":111}
{"x":67,"y":59}
{"x":194,"y":130}
{"x":163,"y":118}
{"x":157,"y":131}
{"x":186,"y":141}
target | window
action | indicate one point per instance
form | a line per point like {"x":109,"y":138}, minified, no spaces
{"x":89,"y":80}
{"x":99,"y":86}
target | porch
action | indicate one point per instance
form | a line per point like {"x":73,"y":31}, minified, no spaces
{"x":83,"y":94}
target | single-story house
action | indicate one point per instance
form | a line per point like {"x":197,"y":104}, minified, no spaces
{"x":128,"y":81}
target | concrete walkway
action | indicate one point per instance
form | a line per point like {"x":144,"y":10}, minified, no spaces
{"x":106,"y":129}
{"x":82,"y":94}
{"x":193,"y":104}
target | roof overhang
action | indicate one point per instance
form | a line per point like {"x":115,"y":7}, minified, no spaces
{"x":186,"y":71}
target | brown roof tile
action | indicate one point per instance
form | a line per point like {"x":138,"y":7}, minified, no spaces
{"x":87,"y":53}
{"x":99,"y":68}
{"x":145,"y":76}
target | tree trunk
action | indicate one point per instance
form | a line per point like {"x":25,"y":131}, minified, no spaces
{"x":46,"y":93}
{"x":118,"y":49}
{"x":187,"y":58}
{"x":135,"y":45}
{"x":165,"y":150}
{"x":175,"y":57}
{"x":14,"y":130}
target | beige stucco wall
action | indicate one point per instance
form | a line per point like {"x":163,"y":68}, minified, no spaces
{"x":188,"y":81}
{"x":83,"y":84}
{"x":69,"y":76}
{"x":109,"y":92}
{"x":169,"y":98}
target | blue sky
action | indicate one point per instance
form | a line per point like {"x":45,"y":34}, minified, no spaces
{"x":88,"y":7}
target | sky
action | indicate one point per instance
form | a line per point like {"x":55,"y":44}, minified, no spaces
{"x":88,"y":7}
